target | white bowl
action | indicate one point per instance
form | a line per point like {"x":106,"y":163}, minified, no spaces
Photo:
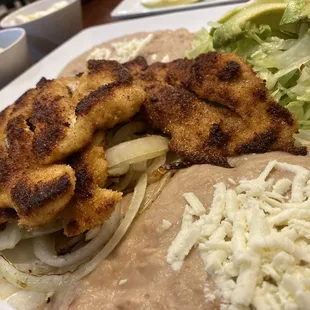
{"x":15,"y":58}
{"x":47,"y":32}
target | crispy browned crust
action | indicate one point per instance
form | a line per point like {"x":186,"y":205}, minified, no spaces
{"x":213,"y":107}
{"x":45,"y":126}
{"x":29,"y":193}
{"x":65,"y":120}
{"x":92,"y":204}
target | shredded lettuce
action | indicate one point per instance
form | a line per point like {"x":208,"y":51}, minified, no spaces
{"x":284,"y":64}
{"x":280,"y":57}
{"x":202,"y":43}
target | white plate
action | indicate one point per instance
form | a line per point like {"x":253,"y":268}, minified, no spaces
{"x":131,"y":8}
{"x":5,"y":306}
{"x":52,"y":64}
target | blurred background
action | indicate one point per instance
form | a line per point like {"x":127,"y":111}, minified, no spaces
{"x":95,"y":12}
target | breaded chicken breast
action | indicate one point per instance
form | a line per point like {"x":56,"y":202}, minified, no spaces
{"x":43,"y":128}
{"x":92,"y":203}
{"x":214,"y":107}
{"x":30,"y":193}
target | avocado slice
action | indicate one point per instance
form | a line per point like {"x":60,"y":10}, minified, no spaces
{"x":226,"y":17}
{"x":261,"y":13}
{"x":296,"y":10}
{"x":236,"y":10}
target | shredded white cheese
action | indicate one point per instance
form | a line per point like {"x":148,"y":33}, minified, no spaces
{"x":122,"y":282}
{"x":166,"y":58}
{"x":166,"y":224}
{"x":194,"y":202}
{"x":255,"y":241}
{"x":123,"y":51}
{"x":231,"y":181}
{"x":100,"y":53}
{"x":154,"y":57}
{"x":282,"y":186}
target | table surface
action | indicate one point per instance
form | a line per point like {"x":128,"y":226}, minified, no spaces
{"x":97,"y":12}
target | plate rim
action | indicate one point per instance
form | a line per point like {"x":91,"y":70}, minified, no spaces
{"x":117,"y":12}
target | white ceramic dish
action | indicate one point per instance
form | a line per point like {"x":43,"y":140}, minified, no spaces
{"x":47,"y":32}
{"x":5,"y":306}
{"x":51,"y":65}
{"x":132,"y":8}
{"x":14,"y":59}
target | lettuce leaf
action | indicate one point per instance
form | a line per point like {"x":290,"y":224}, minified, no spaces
{"x":283,"y":64}
{"x":202,"y":43}
{"x":279,"y":57}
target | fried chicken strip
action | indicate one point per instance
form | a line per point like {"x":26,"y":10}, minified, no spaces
{"x":30,"y":194}
{"x":214,"y":107}
{"x":45,"y":126}
{"x":92,"y":204}
{"x":105,"y":96}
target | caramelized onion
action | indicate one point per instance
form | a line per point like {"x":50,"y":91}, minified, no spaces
{"x":52,"y":283}
{"x":134,"y":207}
{"x":302,"y":137}
{"x":48,"y":229}
{"x":119,"y":170}
{"x":156,"y":191}
{"x":27,"y":300}
{"x":7,"y":289}
{"x":156,"y":164}
{"x":46,"y":283}
{"x":10,"y":236}
{"x":135,"y":151}
{"x":127,"y":132}
{"x":43,"y":247}
{"x":124,"y":181}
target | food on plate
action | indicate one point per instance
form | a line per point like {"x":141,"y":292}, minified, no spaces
{"x":214,"y":106}
{"x":164,"y":3}
{"x":91,"y":164}
{"x":59,"y":117}
{"x":49,"y":123}
{"x":254,"y":239}
{"x":275,"y":44}
{"x":137,"y":275}
{"x":19,"y":19}
{"x":238,"y":135}
{"x":156,"y":46}
{"x":235,"y":24}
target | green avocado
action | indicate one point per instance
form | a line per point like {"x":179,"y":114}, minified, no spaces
{"x":259,"y":13}
{"x":226,"y":17}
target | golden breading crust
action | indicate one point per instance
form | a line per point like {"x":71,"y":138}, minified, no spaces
{"x":213,"y":107}
{"x":29,"y":193}
{"x":92,"y":204}
{"x":105,"y":96}
{"x":45,"y":126}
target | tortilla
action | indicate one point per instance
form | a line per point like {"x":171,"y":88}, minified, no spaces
{"x":168,"y":42}
{"x":136,"y":275}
